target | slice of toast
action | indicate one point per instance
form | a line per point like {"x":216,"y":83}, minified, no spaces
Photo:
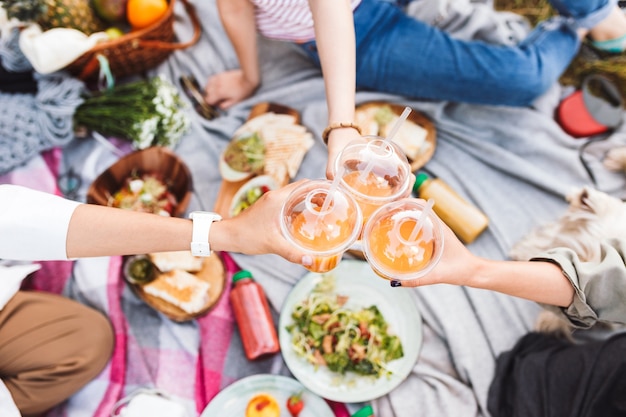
{"x":169,"y":261}
{"x":181,"y":289}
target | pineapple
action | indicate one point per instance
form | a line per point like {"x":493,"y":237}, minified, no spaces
{"x":76,"y":14}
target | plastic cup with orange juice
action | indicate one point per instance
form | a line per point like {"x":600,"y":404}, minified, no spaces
{"x":403,"y":239}
{"x":374,"y":171}
{"x":322,"y":220}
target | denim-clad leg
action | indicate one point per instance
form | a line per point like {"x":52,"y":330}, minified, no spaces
{"x":400,"y":55}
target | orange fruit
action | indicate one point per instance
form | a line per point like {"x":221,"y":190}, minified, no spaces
{"x":143,"y":13}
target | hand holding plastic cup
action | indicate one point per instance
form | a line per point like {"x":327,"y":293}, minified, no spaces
{"x":374,"y":172}
{"x":321,"y":220}
{"x":403,"y":240}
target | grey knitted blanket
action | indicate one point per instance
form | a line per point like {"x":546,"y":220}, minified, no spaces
{"x":32,"y":123}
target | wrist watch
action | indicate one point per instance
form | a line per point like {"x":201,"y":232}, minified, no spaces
{"x":202,"y":221}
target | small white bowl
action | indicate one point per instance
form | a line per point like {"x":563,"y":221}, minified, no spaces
{"x":229,"y":174}
{"x":261,"y":180}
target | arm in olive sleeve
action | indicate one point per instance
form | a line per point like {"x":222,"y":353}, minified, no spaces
{"x":600,"y":287}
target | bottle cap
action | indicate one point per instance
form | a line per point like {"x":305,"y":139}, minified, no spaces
{"x":419,"y":180}
{"x":241,"y":275}
{"x":366,"y":411}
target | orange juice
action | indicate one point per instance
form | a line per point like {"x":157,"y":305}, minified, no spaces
{"x":398,"y":256}
{"x":323,"y":235}
{"x":374,"y":171}
{"x":370,"y":186}
{"x":393,"y":244}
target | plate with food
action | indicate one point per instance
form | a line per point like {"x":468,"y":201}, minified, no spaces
{"x":416,"y":136}
{"x":347,"y":335}
{"x":265,"y":395}
{"x":243,"y":157}
{"x":178,"y":284}
{"x":250,"y":192}
{"x":271,"y":142}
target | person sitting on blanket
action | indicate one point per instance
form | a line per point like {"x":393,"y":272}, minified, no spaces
{"x":50,"y":346}
{"x":374,"y":45}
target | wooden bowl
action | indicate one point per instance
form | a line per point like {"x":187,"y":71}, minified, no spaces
{"x":156,"y":159}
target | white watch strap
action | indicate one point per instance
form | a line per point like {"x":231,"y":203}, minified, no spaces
{"x":202,"y":221}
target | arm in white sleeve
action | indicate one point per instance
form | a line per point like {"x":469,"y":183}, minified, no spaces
{"x":33,"y":224}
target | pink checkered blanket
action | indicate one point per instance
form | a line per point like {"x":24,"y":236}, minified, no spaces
{"x":185,"y":361}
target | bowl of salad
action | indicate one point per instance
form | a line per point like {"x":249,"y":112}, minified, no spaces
{"x":243,"y":158}
{"x":250,"y":192}
{"x":153,"y":180}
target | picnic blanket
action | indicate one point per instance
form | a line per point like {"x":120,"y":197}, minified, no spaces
{"x":516,"y":164}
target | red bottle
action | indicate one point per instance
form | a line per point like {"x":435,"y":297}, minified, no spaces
{"x":252,"y":313}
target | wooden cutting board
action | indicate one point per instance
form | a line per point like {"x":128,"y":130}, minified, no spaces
{"x":213,"y":272}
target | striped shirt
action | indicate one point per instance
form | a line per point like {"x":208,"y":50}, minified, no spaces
{"x":287,"y":20}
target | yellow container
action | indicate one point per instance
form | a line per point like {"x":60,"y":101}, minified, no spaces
{"x":465,"y":219}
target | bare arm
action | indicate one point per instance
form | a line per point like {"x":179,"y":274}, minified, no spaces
{"x":543,"y":282}
{"x":105,"y":231}
{"x":334,"y":33}
{"x":230,"y":87}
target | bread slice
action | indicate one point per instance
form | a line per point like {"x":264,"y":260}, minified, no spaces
{"x":180,"y":288}
{"x":410,"y":137}
{"x":168,"y":261}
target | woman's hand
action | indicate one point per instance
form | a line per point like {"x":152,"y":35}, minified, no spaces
{"x":228,"y":88}
{"x":256,"y":230}
{"x":456,"y":265}
{"x":337,"y":140}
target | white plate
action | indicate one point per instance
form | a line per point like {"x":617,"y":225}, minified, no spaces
{"x":364,"y":288}
{"x":232,"y":400}
{"x":258,"y":181}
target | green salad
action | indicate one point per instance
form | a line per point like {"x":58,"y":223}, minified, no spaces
{"x":249,"y":198}
{"x":246,"y":153}
{"x":326,"y":333}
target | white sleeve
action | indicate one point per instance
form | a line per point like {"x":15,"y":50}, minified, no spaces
{"x":7,"y":405}
{"x":33,"y":224}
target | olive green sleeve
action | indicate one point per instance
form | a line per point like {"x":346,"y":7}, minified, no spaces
{"x":600,"y":287}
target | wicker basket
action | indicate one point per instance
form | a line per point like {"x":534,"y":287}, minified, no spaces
{"x":136,"y":51}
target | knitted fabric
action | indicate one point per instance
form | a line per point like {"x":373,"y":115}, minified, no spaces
{"x":11,"y":55}
{"x":32,"y":123}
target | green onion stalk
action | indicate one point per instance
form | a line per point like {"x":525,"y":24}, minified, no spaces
{"x":146,"y":113}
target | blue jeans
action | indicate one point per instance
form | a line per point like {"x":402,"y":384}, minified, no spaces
{"x":400,"y":55}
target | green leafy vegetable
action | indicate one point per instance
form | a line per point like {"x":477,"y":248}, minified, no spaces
{"x":246,"y":153}
{"x":328,"y":334}
{"x":145,"y":112}
{"x":384,"y":115}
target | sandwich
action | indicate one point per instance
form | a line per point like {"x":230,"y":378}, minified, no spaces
{"x":180,"y":288}
{"x":169,"y":261}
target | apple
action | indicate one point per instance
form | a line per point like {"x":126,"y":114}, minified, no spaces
{"x":112,"y":11}
{"x":114,"y":32}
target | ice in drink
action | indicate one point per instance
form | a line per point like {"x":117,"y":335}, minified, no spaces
{"x":374,"y":172}
{"x":324,"y":234}
{"x":390,"y":248}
